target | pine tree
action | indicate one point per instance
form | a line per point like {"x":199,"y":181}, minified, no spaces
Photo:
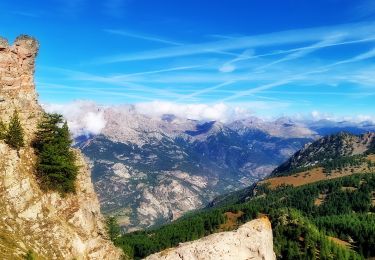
{"x":14,"y":135}
{"x":29,"y":255}
{"x":3,"y":130}
{"x":113,"y":228}
{"x":56,"y":166}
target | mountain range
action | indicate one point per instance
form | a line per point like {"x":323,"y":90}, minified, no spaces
{"x":162,"y":167}
{"x":321,"y":204}
{"x":265,"y":188}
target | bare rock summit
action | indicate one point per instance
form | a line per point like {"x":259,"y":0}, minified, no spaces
{"x":252,"y":240}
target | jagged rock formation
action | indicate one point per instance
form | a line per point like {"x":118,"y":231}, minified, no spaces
{"x":17,"y":89}
{"x":52,"y":226}
{"x":252,"y":240}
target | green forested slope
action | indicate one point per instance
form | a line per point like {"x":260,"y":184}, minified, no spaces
{"x":301,"y":225}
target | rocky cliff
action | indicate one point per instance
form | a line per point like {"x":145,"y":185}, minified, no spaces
{"x":252,"y":240}
{"x":52,"y":226}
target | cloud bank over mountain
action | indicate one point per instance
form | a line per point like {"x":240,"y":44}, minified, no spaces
{"x":84,"y":117}
{"x":88,"y":117}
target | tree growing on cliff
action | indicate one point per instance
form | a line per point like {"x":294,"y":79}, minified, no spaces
{"x":113,"y":228}
{"x":14,"y":135}
{"x":3,"y":130}
{"x":30,"y":255}
{"x":56,"y":167}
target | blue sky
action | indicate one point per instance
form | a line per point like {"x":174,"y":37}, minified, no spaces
{"x":271,"y":57}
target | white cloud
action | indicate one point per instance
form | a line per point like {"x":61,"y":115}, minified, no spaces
{"x":87,"y":117}
{"x":222,"y":112}
{"x":217,"y":112}
{"x":94,"y":122}
{"x":83,"y":117}
{"x":230,"y":67}
{"x":316,"y":115}
{"x":227,"y":68}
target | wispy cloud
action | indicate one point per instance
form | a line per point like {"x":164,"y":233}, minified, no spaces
{"x":161,"y":40}
{"x":47,"y":87}
{"x":125,"y":76}
{"x":349,"y":32}
{"x":360,"y":57}
{"x":206,"y":90}
{"x":143,"y":37}
{"x":230,"y":65}
{"x":115,"y":80}
{"x":294,"y":55}
{"x":301,"y":52}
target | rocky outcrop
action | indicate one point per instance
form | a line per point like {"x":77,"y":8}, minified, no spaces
{"x":252,"y":240}
{"x":52,"y":226}
{"x":17,"y":88}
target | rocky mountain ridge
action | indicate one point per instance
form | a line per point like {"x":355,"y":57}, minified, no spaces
{"x":162,"y":179}
{"x":154,"y":163}
{"x":52,"y":226}
{"x":327,"y":149}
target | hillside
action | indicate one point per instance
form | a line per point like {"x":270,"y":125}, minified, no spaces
{"x":301,"y":220}
{"x":161,"y":173}
{"x":47,"y":223}
{"x":163,"y":166}
{"x":329,"y":216}
{"x":325,"y":151}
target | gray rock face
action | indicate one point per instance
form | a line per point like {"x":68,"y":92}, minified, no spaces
{"x":252,"y":240}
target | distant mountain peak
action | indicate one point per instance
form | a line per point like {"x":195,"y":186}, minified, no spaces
{"x":328,"y":148}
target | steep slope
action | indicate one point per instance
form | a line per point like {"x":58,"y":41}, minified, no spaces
{"x":329,"y":157}
{"x":325,"y":150}
{"x":52,"y":226}
{"x":331,"y":217}
{"x":253,"y":240}
{"x":301,"y":218}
